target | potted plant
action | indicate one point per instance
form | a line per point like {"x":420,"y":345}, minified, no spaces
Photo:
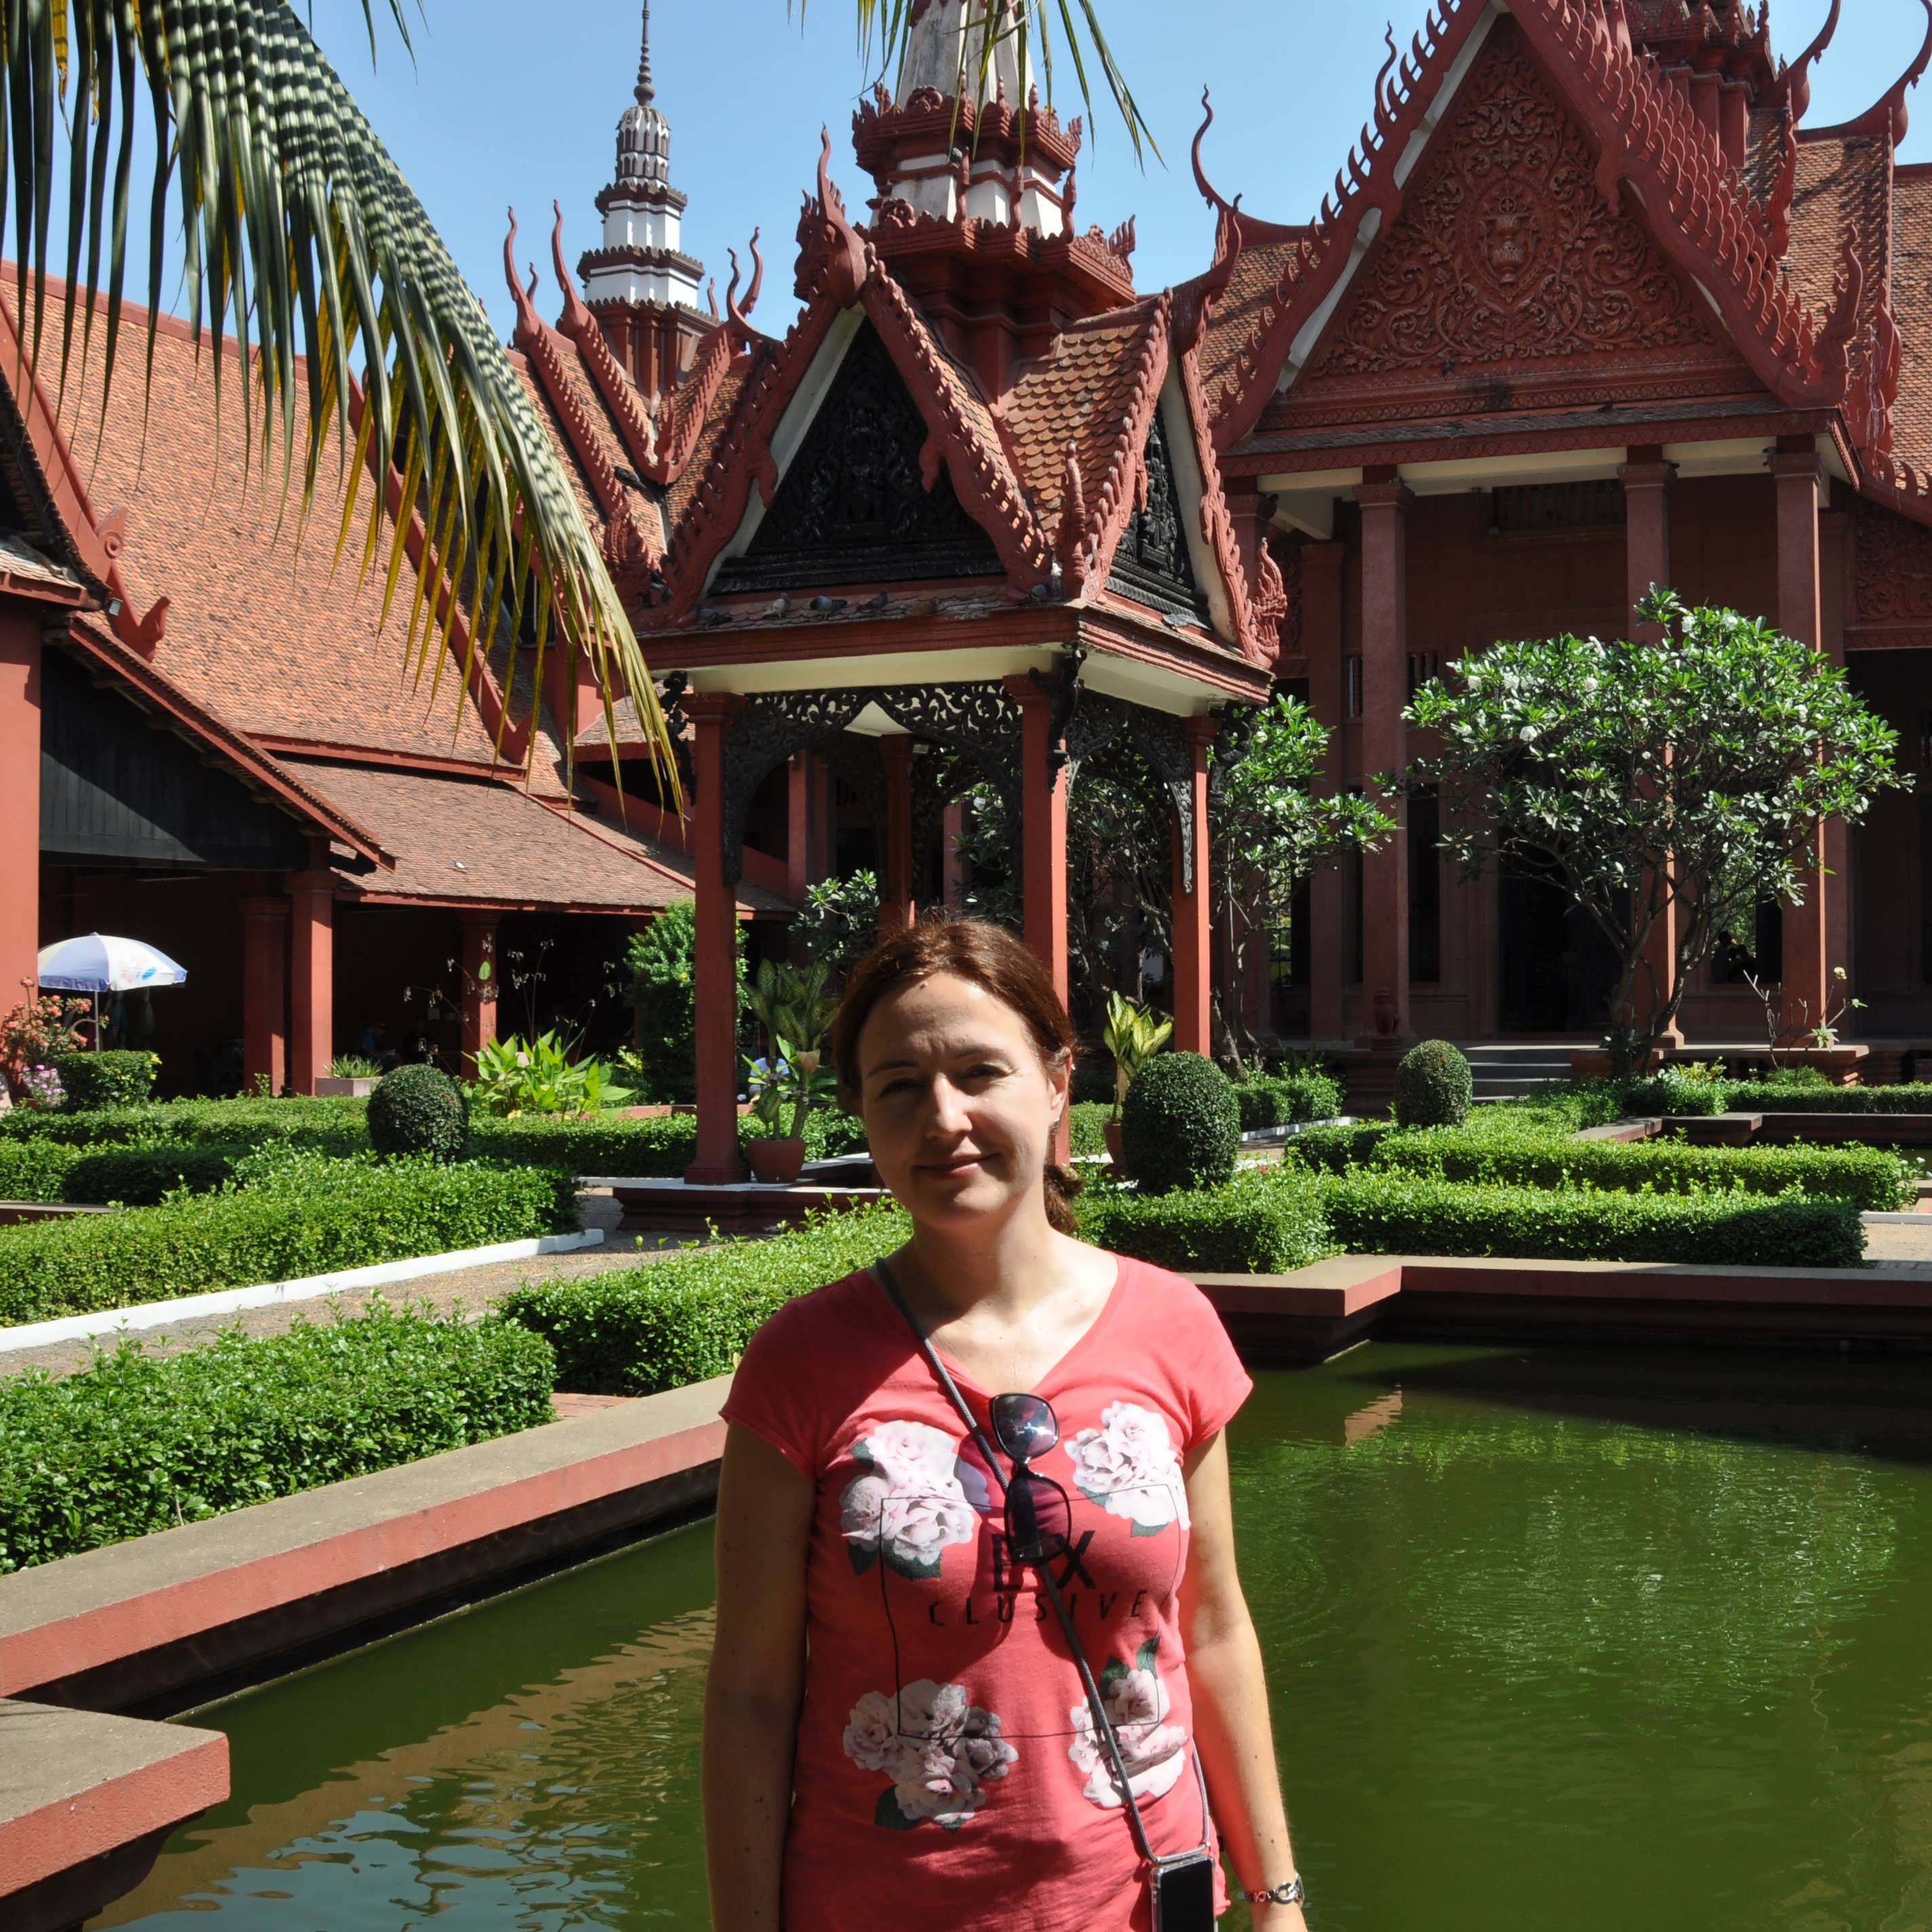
{"x":353,"y":1075}
{"x":1133,"y":1035}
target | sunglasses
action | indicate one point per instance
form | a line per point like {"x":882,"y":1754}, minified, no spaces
{"x":1039,"y":1514}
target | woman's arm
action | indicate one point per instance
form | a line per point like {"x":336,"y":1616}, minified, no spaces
{"x":757,"y":1679}
{"x":1230,"y":1693}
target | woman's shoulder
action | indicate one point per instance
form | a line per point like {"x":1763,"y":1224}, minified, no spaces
{"x":1159,"y":1294}
{"x":828,"y":1316}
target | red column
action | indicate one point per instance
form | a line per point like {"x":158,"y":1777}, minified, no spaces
{"x":1835,"y":567}
{"x":716,"y":911}
{"x":1043,"y":844}
{"x":1193,"y":910}
{"x":1385,"y":504}
{"x":896,"y":910}
{"x":1646,"y":479}
{"x":265,"y":991}
{"x":312,"y":971}
{"x":798,"y":827}
{"x":19,"y":805}
{"x":479,"y":986}
{"x":1329,"y":939}
{"x":1808,"y":977}
{"x":952,"y":868}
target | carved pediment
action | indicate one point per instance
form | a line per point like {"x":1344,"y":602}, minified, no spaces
{"x":1506,"y":278}
{"x":1152,"y":564}
{"x":854,"y":506}
{"x":1892,"y":568}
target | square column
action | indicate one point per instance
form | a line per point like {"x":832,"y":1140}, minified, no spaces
{"x":1384,"y":502}
{"x":716,"y":918}
{"x":798,"y":827}
{"x":1808,"y":970}
{"x":1043,"y":845}
{"x":312,"y":971}
{"x":264,"y":991}
{"x":952,"y":863}
{"x":896,"y":910}
{"x":1329,"y":947}
{"x":1193,"y":906}
{"x":479,"y":987}
{"x":19,"y":805}
{"x":1646,"y":480}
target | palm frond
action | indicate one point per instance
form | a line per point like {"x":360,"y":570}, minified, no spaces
{"x":301,"y":239}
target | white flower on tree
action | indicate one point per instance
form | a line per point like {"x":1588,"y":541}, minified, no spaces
{"x":1130,"y":1467}
{"x":937,"y":1747}
{"x":915,"y":1499}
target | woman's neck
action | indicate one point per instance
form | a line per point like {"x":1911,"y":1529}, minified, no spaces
{"x":1011,"y":1265}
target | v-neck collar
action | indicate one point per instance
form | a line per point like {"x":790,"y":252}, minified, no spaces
{"x":1115,"y":1295}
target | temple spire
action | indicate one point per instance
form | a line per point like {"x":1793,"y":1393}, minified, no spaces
{"x":645,"y":92}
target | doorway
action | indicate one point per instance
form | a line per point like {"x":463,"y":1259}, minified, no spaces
{"x":1559,"y":971}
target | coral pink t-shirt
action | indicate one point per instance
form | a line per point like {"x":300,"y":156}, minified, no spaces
{"x":948,"y":1773}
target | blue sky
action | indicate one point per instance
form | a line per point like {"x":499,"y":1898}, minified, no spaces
{"x":515,"y":101}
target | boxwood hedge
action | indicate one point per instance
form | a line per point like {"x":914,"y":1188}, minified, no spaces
{"x":1284,"y":1100}
{"x":1180,"y":1125}
{"x":143,"y":1440}
{"x":286,"y":1214}
{"x":123,"y":1077}
{"x":328,"y":1125}
{"x":1249,"y":1227}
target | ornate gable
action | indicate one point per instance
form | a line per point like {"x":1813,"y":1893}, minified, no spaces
{"x":1151,"y":563}
{"x":866,"y":500}
{"x":1506,"y":281}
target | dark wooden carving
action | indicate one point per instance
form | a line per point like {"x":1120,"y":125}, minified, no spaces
{"x":1152,"y":564}
{"x":853,"y":507}
{"x":1892,"y":568}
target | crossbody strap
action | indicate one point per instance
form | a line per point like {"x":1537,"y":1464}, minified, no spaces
{"x":1103,"y":1725}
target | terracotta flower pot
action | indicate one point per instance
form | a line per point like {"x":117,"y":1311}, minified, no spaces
{"x":1111,"y":1129}
{"x":777,"y":1159}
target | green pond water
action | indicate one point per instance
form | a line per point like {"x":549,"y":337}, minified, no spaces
{"x":1555,"y":1639}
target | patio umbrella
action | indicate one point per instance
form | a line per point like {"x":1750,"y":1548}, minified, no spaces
{"x":99,"y":963}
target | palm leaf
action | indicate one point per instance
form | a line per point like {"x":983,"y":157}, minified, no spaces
{"x":301,"y":238}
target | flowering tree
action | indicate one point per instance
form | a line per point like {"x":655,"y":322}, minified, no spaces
{"x":1689,"y":775}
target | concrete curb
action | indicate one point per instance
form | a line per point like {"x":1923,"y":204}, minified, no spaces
{"x":307,"y":1288}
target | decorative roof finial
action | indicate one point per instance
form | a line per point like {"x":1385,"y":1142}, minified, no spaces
{"x":646,"y":92}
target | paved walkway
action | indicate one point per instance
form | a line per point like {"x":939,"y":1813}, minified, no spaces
{"x":1897,"y":1244}
{"x":472,"y":1288}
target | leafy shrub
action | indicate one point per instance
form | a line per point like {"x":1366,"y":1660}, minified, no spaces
{"x":35,"y":1170}
{"x":1756,"y":1098}
{"x":662,"y":960}
{"x":1372,"y":1213}
{"x":634,"y":1331}
{"x":1087,"y":1124}
{"x":353,"y":1067}
{"x":140,"y":1441}
{"x":120,"y":1078}
{"x":285,"y":1213}
{"x":1286,"y":1099}
{"x":654,"y":1149}
{"x":838,"y":924}
{"x":1251,"y":1227}
{"x":1871,"y":1178}
{"x":828,"y":1133}
{"x":330,"y":1125}
{"x":1433,"y":1086}
{"x":140,"y":1175}
{"x":419,"y":1110}
{"x":1671,"y":1092}
{"x":1181,"y":1126}
{"x":1334,"y":1149}
{"x":537,"y":1076}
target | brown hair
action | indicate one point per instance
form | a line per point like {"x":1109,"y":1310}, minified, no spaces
{"x":986,"y":955}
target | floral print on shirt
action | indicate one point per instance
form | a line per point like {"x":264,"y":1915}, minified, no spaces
{"x":1130,"y":1467}
{"x":1154,"y":1751}
{"x":914,"y":1499}
{"x":939,"y":1748}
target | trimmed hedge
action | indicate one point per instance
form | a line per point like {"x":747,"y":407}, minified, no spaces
{"x":286,"y":1214}
{"x":419,"y":1110}
{"x":635,"y":1331}
{"x":1286,"y":1099}
{"x":1380,"y":1213}
{"x":141,"y":1442}
{"x":1337,"y":1149}
{"x":660,"y":1148}
{"x":122,"y":1077}
{"x":1180,"y":1126}
{"x":1433,"y":1086}
{"x":1251,"y":1227}
{"x":139,"y":1176}
{"x":1869,"y":1177}
{"x":1757,"y":1097}
{"x":35,"y":1170}
{"x":328,"y":1125}
{"x":1087,"y":1123}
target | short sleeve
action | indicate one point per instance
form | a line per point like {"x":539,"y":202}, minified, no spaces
{"x":1213,"y":1383}
{"x":773,"y":1388}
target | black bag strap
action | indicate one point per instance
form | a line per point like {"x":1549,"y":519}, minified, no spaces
{"x":1103,"y":1725}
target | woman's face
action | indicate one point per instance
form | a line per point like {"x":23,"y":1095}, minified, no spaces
{"x":958,"y":1106}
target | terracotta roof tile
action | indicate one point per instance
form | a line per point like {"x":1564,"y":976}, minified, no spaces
{"x":1911,"y":305}
{"x":724,"y":405}
{"x":1241,"y":308}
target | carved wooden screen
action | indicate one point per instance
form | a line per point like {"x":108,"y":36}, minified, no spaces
{"x":853,"y":507}
{"x":1152,"y":564}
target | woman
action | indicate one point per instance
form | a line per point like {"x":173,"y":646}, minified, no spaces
{"x":896,"y":1731}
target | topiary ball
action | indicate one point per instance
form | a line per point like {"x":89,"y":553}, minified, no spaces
{"x":419,"y":1110}
{"x":1181,"y":1126}
{"x":1433,"y":1086}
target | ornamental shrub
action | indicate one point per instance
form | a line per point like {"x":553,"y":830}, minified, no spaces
{"x":419,"y":1110}
{"x":139,"y":1176}
{"x":1181,"y":1126}
{"x":1086,"y":1125}
{"x":123,"y":1078}
{"x":1751,"y":1097}
{"x":1381,"y":1212}
{"x":285,"y":1214}
{"x":1334,"y":1149}
{"x":1433,"y":1086}
{"x":1286,"y":1099}
{"x":1250,"y":1227}
{"x":35,"y":1170}
{"x":139,"y":1441}
{"x":328,"y":1125}
{"x":1669,"y":1093}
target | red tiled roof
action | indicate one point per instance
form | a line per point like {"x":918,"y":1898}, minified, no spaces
{"x":1840,"y":182}
{"x":1911,"y":308}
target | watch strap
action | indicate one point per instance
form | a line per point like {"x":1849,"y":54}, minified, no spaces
{"x":1292,"y":1892}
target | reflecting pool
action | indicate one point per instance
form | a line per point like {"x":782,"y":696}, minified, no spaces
{"x":1557,"y":1639}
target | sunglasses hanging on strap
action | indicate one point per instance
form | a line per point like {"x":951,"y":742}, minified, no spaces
{"x":1038,"y":1522}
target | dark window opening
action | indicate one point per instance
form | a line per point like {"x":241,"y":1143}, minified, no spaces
{"x":1535,"y":509}
{"x":1735,"y":963}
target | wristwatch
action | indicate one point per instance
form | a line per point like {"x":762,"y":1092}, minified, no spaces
{"x":1292,"y":1893}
